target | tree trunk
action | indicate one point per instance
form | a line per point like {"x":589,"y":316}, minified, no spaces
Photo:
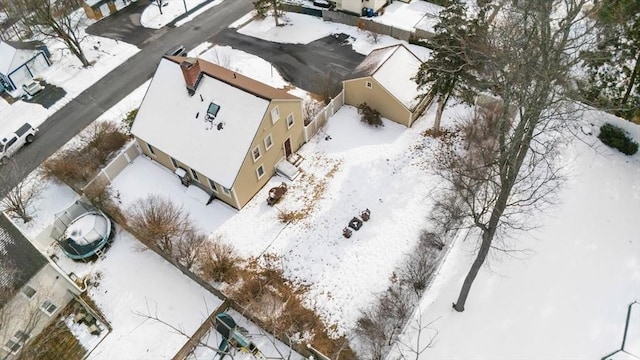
{"x":442,"y":101}
{"x":632,"y":80}
{"x":274,"y":3}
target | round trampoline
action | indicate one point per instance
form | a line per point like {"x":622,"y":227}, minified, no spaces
{"x":82,"y":232}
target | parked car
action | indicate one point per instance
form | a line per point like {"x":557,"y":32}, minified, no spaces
{"x":14,"y":141}
{"x":177,"y":50}
{"x":32,"y":87}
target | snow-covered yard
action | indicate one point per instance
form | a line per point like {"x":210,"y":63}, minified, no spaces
{"x":154,"y":18}
{"x":569,"y":298}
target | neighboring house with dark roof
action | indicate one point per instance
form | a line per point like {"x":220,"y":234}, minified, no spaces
{"x":384,"y":80}
{"x":20,"y":62}
{"x":216,"y":129}
{"x":33,"y":290}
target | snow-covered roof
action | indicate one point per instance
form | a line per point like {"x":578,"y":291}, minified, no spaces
{"x":18,"y":256}
{"x":11,"y":56}
{"x":394,"y":68}
{"x":175,"y":122}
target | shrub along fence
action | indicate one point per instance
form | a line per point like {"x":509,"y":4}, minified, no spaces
{"x":321,"y":118}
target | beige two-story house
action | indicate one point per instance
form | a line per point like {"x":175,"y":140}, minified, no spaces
{"x":384,"y":80}
{"x":224,"y":131}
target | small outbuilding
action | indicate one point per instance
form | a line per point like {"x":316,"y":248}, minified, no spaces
{"x":384,"y":80}
{"x":20,"y":62}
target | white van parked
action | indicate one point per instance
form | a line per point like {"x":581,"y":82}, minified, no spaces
{"x":14,"y":141}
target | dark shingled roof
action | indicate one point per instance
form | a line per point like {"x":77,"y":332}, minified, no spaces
{"x":16,"y":252}
{"x":238,"y":80}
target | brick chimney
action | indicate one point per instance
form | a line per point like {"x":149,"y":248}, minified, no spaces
{"x":192,"y":74}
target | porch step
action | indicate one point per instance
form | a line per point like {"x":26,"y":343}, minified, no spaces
{"x":295,"y":159}
{"x":287,"y":169}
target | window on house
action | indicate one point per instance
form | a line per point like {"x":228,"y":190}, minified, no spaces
{"x":48,"y":307}
{"x":226,"y":191}
{"x":368,"y":85}
{"x":28,"y":291}
{"x":260,"y":171}
{"x":174,"y":163}
{"x":275,"y":114}
{"x":151,"y":150}
{"x":212,"y":185}
{"x":21,"y":336}
{"x":256,"y":153}
{"x":13,"y":346}
{"x":268,"y":142}
{"x":289,"y":121}
{"x":195,"y":175}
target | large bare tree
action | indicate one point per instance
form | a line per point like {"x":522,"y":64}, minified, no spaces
{"x":54,"y":19}
{"x":506,"y":170}
{"x":19,"y":199}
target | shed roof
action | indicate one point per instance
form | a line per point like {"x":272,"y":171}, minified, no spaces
{"x":175,"y":122}
{"x":394,"y":68}
{"x":13,"y":54}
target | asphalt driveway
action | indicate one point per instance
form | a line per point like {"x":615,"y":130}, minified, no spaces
{"x":302,"y":65}
{"x":125,"y":26}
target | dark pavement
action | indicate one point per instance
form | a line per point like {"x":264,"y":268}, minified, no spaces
{"x":90,"y":104}
{"x":125,"y":26}
{"x":302,"y":65}
{"x":48,"y":96}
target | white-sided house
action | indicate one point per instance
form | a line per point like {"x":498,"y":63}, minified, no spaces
{"x":218,"y":130}
{"x":384,"y":80}
{"x":20,"y":62}
{"x":33,"y":290}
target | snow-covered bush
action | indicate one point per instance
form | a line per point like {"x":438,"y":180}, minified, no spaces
{"x":616,"y":137}
{"x":369,"y":115}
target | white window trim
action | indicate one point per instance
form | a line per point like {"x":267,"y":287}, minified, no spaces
{"x":368,"y":84}
{"x":194,"y":175}
{"x":293,"y":121}
{"x":226,"y":191}
{"x":212,"y":186}
{"x":46,"y":311}
{"x":27,"y":296}
{"x":8,"y":349}
{"x":151,"y":150}
{"x":174,"y":162}
{"x":265,"y":142}
{"x":256,"y":158}
{"x":258,"y":173}
{"x":275,"y":115}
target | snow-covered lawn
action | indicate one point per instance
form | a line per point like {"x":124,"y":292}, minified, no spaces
{"x":303,"y":29}
{"x":408,"y":15}
{"x":67,"y":72}
{"x":131,"y":281}
{"x":381,"y":169}
{"x":569,"y":299}
{"x":153,"y":18}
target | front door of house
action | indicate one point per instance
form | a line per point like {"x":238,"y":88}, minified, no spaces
{"x":287,"y":148}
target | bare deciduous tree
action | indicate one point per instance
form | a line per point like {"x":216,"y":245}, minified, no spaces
{"x":413,"y":348}
{"x":19,"y":200}
{"x":54,"y":19}
{"x":507,"y":170}
{"x":159,"y":223}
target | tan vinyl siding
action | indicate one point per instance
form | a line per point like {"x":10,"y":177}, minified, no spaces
{"x":356,"y":92}
{"x":247,"y":183}
{"x":165,"y":160}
